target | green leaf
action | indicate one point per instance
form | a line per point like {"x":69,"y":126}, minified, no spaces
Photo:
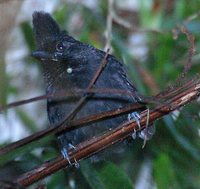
{"x":164,"y":174}
{"x":149,"y":18}
{"x":183,"y":141}
{"x":22,"y":151}
{"x":114,"y":177}
{"x":3,"y":83}
{"x":27,"y":120}
{"x":28,"y":35}
{"x":91,"y":175}
{"x":58,"y":181}
{"x":60,"y":15}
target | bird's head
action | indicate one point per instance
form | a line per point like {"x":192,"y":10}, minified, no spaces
{"x":52,"y":43}
{"x":63,"y":58}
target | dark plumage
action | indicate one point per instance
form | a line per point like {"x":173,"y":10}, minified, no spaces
{"x":68,"y":63}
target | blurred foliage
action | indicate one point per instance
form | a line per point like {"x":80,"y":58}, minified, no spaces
{"x":3,"y":83}
{"x":174,"y":150}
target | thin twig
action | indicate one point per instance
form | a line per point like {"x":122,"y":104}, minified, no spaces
{"x":91,"y":84}
{"x":192,"y":17}
{"x":187,"y":65}
{"x":127,"y":25}
{"x":173,"y":91}
{"x":108,"y":32}
{"x":62,"y":95}
{"x":73,"y":124}
{"x":191,"y":51}
{"x":73,"y":92}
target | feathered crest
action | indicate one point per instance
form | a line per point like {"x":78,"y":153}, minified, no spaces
{"x":44,"y":27}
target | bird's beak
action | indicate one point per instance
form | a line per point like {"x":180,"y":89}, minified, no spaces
{"x":41,"y":55}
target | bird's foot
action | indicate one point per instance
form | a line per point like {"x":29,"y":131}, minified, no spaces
{"x":71,"y":146}
{"x":65,"y":154}
{"x":76,"y":164}
{"x":136,"y":117}
{"x":146,"y":133}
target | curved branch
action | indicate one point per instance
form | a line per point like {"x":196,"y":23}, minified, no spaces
{"x":90,"y":147}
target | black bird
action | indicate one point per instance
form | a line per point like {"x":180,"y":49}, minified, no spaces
{"x":67,"y":64}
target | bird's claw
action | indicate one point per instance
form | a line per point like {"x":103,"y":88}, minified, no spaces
{"x":146,"y":133}
{"x":71,"y":146}
{"x":65,"y":154}
{"x":77,"y":165}
{"x":136,"y":117}
{"x":134,"y":134}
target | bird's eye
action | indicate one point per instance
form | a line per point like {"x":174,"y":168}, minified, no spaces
{"x":60,"y":47}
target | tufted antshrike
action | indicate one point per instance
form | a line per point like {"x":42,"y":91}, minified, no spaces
{"x":67,"y":64}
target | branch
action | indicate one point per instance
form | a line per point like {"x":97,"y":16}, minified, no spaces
{"x":90,"y":147}
{"x":62,"y":95}
{"x":108,"y":32}
{"x":70,"y":125}
{"x":64,"y":127}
